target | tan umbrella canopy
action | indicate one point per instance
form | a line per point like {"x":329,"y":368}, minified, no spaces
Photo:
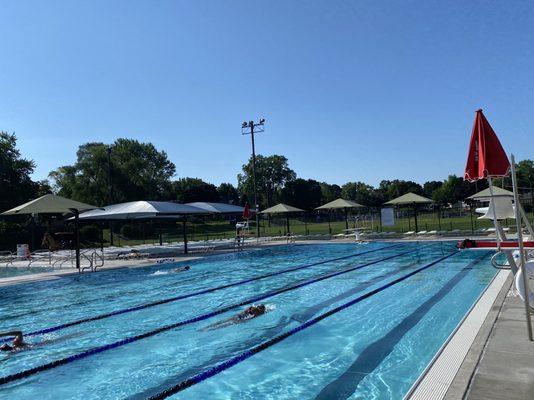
{"x":410,"y":199}
{"x":49,"y":204}
{"x":282,"y":209}
{"x":486,"y":195}
{"x":52,"y":204}
{"x":340,"y":204}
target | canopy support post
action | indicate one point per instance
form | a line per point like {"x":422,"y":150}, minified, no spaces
{"x":346,"y":219}
{"x":521,"y":250}
{"x":415,"y":217}
{"x":77,"y":237}
{"x":184,"y":231}
{"x":287,"y":225}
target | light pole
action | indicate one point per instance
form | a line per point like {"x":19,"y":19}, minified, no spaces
{"x":110,"y":187}
{"x":250,"y":128}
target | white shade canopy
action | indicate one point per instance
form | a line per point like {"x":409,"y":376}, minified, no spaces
{"x":217,"y":208}
{"x":49,"y":204}
{"x":141,"y":209}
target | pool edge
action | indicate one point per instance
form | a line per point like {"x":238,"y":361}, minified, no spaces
{"x":448,"y":374}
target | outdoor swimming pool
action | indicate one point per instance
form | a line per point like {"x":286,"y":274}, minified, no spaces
{"x":346,"y":321}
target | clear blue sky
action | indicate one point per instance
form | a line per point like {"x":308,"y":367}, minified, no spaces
{"x":351,"y":90}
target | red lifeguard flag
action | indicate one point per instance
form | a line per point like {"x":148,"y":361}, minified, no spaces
{"x":246,"y":212}
{"x":486,"y":157}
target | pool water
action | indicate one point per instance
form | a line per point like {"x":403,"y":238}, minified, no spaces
{"x":374,"y":348}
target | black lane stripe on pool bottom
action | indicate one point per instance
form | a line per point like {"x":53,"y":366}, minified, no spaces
{"x":131,"y":339}
{"x":283,"y":323}
{"x":189,"y":295}
{"x":370,"y":358}
{"x":269,"y":343}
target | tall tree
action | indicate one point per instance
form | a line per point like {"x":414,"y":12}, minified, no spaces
{"x":302,"y":193}
{"x":361,"y":193}
{"x":397,"y":187}
{"x":430,"y":187}
{"x":329,"y":192}
{"x":272,"y":173}
{"x":228,"y":193}
{"x":453,"y":190}
{"x":188,"y":190}
{"x":138,"y":172}
{"x":16,"y":185}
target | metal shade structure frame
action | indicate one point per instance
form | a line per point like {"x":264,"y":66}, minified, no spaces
{"x":146,"y":210}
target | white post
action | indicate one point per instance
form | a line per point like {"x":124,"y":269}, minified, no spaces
{"x":495,"y":222}
{"x":521,"y":248}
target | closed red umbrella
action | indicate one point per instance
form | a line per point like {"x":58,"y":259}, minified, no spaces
{"x":486,"y":157}
{"x":246,"y":212}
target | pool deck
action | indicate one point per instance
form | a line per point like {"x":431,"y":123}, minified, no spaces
{"x":506,"y":367}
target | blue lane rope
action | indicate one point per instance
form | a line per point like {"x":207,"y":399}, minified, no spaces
{"x":186,"y":296}
{"x":100,"y":349}
{"x":265,"y":345}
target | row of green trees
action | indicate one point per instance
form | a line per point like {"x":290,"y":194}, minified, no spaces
{"x":129,"y":170}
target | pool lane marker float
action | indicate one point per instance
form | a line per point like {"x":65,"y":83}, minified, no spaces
{"x":198,"y":293}
{"x":96,"y":350}
{"x":265,"y":345}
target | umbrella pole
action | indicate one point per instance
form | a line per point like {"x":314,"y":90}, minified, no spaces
{"x":471,"y":215}
{"x":329,"y":227}
{"x":439,"y":218}
{"x":521,"y":249}
{"x":415,"y":218}
{"x":77,"y":237}
{"x":184,"y":230}
{"x":287,"y":224}
{"x":346,"y":219}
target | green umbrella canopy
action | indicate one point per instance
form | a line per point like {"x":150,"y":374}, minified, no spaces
{"x":339,"y":203}
{"x":281,"y":209}
{"x":485,"y":194}
{"x":49,"y":204}
{"x":409,"y":198}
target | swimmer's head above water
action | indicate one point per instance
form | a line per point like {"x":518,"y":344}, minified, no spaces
{"x":18,"y":341}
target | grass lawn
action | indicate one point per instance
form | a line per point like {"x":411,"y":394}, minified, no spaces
{"x":223,"y":229}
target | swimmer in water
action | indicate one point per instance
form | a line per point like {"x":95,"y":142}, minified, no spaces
{"x":249,"y":313}
{"x":181,"y":269}
{"x":17,"y":344}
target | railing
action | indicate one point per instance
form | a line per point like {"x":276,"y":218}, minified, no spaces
{"x":7,"y":257}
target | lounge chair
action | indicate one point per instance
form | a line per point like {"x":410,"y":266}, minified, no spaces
{"x":409,"y":233}
{"x":421,"y":233}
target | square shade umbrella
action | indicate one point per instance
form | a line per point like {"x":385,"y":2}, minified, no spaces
{"x":410,"y":199}
{"x":341,"y":204}
{"x":146,"y":210}
{"x":282,"y":209}
{"x":52,"y":204}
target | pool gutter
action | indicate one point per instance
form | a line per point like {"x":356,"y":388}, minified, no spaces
{"x":448,"y":374}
